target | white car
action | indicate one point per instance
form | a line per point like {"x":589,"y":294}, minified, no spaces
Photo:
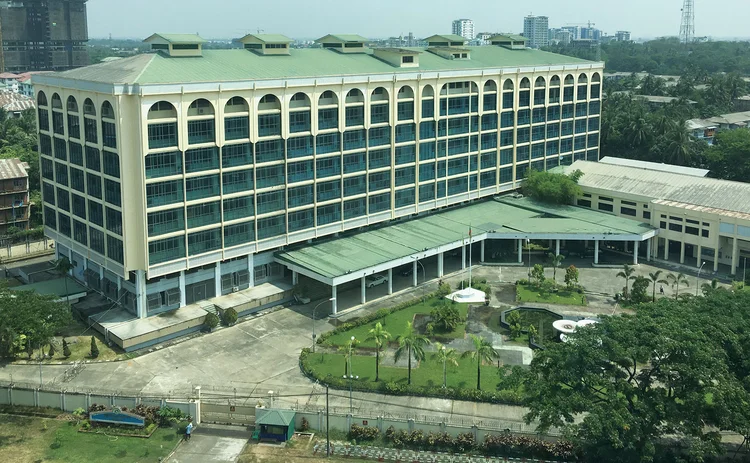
{"x":375,"y":280}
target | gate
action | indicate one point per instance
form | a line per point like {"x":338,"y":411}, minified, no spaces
{"x":227,"y":414}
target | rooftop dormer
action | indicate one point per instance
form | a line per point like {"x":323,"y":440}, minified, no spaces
{"x":177,"y":44}
{"x":448,"y":40}
{"x":344,"y":43}
{"x":510,"y":41}
{"x":267,"y":44}
{"x":398,"y":57}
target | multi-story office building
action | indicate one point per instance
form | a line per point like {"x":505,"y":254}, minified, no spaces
{"x":14,"y":194}
{"x":43,"y":35}
{"x":536,"y":31}
{"x":464,"y":28}
{"x":560,"y":35}
{"x":171,"y":177}
{"x":622,"y":36}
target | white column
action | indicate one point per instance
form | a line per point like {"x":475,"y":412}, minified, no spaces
{"x":363,"y":287}
{"x":648,"y":249}
{"x":557,"y":247}
{"x":520,"y":251}
{"x":635,"y":252}
{"x":140,"y":293}
{"x":481,"y":256}
{"x":334,"y":301}
{"x":295,"y":277}
{"x":390,"y":281}
{"x":698,"y":258}
{"x":183,"y":296}
{"x":415,"y":279}
{"x":716,"y":256}
{"x":682,"y":252}
{"x":626,"y":246}
{"x":251,"y":270}
{"x":217,"y":279}
{"x":666,"y":248}
{"x":735,"y":253}
{"x":463,"y":256}
{"x":440,"y":265}
{"x":596,"y":251}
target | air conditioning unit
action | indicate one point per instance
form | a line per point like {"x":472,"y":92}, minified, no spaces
{"x":235,"y":289}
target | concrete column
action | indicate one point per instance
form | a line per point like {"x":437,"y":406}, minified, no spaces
{"x":557,"y":247}
{"x":183,"y":296}
{"x":481,"y":256}
{"x":390,"y":281}
{"x":334,"y":301}
{"x":585,"y":244}
{"x":626,"y":247}
{"x":648,"y":249}
{"x":735,"y":255}
{"x":463,"y":256}
{"x":140,"y":294}
{"x":363,"y":288}
{"x":414,"y":273}
{"x":698,"y":258}
{"x":666,"y":248}
{"x":520,"y":251}
{"x":440,"y":265}
{"x":596,"y":251}
{"x":716,"y":258}
{"x":217,"y":279}
{"x":251,"y":270}
{"x":295,"y":277}
{"x":682,"y":252}
{"x":635,"y":252}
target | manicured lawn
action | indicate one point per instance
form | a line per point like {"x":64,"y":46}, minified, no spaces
{"x":80,"y":350}
{"x":27,"y":440}
{"x":529,"y":293}
{"x":395,"y":324}
{"x":428,"y":373}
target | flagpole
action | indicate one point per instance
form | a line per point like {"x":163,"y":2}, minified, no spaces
{"x":469,"y":255}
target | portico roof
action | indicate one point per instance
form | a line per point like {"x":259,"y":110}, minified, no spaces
{"x":356,"y":254}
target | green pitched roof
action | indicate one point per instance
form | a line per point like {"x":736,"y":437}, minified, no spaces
{"x":513,"y":37}
{"x":178,"y":38}
{"x":343,"y":38}
{"x":448,"y":37}
{"x":238,"y":65}
{"x":276,"y":418}
{"x":269,"y":38}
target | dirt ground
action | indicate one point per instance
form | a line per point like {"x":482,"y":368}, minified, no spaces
{"x":300,"y":451}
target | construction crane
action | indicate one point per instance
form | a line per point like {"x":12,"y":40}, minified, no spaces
{"x":598,"y":42}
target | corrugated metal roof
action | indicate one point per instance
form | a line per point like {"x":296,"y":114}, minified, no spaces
{"x":178,"y":38}
{"x":727,"y":119}
{"x":343,"y":38}
{"x":658,"y":184}
{"x":276,"y":418}
{"x":11,"y":101}
{"x":448,"y":37}
{"x":655,"y":166}
{"x":13,"y":168}
{"x":239,"y":65}
{"x":710,"y":210}
{"x":268,"y":38}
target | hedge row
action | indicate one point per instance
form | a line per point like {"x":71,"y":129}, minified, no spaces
{"x":510,"y":397}
{"x":505,"y":445}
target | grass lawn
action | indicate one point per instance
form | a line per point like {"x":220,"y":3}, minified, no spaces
{"x":395,"y":324}
{"x":27,"y":440}
{"x":529,"y":293}
{"x":429,"y":372}
{"x":80,"y":350}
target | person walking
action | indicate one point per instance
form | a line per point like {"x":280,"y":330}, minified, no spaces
{"x":188,"y":431}
{"x":661,"y":289}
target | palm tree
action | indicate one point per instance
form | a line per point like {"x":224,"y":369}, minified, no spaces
{"x":708,"y":288}
{"x":381,"y":337}
{"x":656,"y":278}
{"x":679,"y":149}
{"x":554,"y":262}
{"x":63,"y":266}
{"x":412,"y":344}
{"x":445,"y":355}
{"x":627,"y":273}
{"x":348,"y":349}
{"x":483,"y":352}
{"x":676,"y":281}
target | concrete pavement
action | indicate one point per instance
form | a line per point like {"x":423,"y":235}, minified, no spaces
{"x":211,"y":443}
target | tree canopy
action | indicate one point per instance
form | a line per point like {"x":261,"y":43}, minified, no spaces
{"x":674,"y":368}
{"x":552,"y":187}
{"x":28,"y":319}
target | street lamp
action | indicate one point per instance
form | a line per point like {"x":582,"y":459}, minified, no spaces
{"x":350,"y":375}
{"x":313,"y":318}
{"x":698,"y":278}
{"x":424,"y":272}
{"x":528,"y":246}
{"x":444,"y":359}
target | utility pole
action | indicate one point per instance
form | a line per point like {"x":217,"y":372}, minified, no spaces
{"x":328,"y":436}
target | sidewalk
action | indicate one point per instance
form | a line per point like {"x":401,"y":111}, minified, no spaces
{"x":211,"y":443}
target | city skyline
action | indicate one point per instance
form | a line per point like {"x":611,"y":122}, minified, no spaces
{"x":311,"y":21}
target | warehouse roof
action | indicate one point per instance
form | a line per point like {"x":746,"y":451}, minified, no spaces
{"x":13,"y":168}
{"x":241,"y":65}
{"x":504,"y":216}
{"x":659,"y":184}
{"x":660,"y":166}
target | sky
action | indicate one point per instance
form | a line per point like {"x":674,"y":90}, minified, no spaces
{"x":386,"y":18}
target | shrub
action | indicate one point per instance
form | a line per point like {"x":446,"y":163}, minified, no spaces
{"x":305,"y":425}
{"x":464,"y":442}
{"x":522,"y":282}
{"x":211,"y":321}
{"x":229,"y":317}
{"x":444,"y":289}
{"x":52,"y":351}
{"x":168,"y":415}
{"x":445,"y":318}
{"x":363,"y":433}
{"x":66,"y":349}
{"x":94,"y":348}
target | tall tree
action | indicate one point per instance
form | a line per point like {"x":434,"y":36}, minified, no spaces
{"x":482,"y":352}
{"x":411,"y":344}
{"x":63,"y":266}
{"x":655,"y":278}
{"x":554,"y":261}
{"x":380,"y":336}
{"x":676,"y":281}
{"x":445,"y":355}
{"x":29,"y":319}
{"x":627,"y":273}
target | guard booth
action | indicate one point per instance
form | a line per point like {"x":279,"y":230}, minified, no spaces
{"x":277,"y":425}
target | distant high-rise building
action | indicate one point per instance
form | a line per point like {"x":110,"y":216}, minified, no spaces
{"x":536,"y":30}
{"x":622,"y":36}
{"x":43,"y":35}
{"x":575,"y":31}
{"x":464,"y":28}
{"x":590,"y":33}
{"x":560,"y":35}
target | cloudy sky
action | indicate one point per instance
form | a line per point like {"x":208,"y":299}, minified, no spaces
{"x":384,"y":18}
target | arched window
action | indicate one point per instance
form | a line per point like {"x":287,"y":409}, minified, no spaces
{"x":56,"y":101}
{"x":72,"y":105}
{"x":162,"y":110}
{"x":328,"y":98}
{"x":540,"y":82}
{"x":107,"y":110}
{"x":428,"y":92}
{"x":444,"y":89}
{"x":582,"y":79}
{"x":596,"y":77}
{"x":379,"y":94}
{"x":569,"y":79}
{"x":355,"y":96}
{"x":490,"y":86}
{"x":474,"y":88}
{"x":269,"y":102}
{"x":508,"y":85}
{"x":236,"y":104}
{"x":525,"y":83}
{"x":405,"y":92}
{"x":200,"y":107}
{"x":88,"y":107}
{"x":299,"y":100}
{"x":41,"y":99}
{"x":555,"y":81}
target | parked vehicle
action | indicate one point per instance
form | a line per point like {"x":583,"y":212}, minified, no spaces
{"x":375,"y":280}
